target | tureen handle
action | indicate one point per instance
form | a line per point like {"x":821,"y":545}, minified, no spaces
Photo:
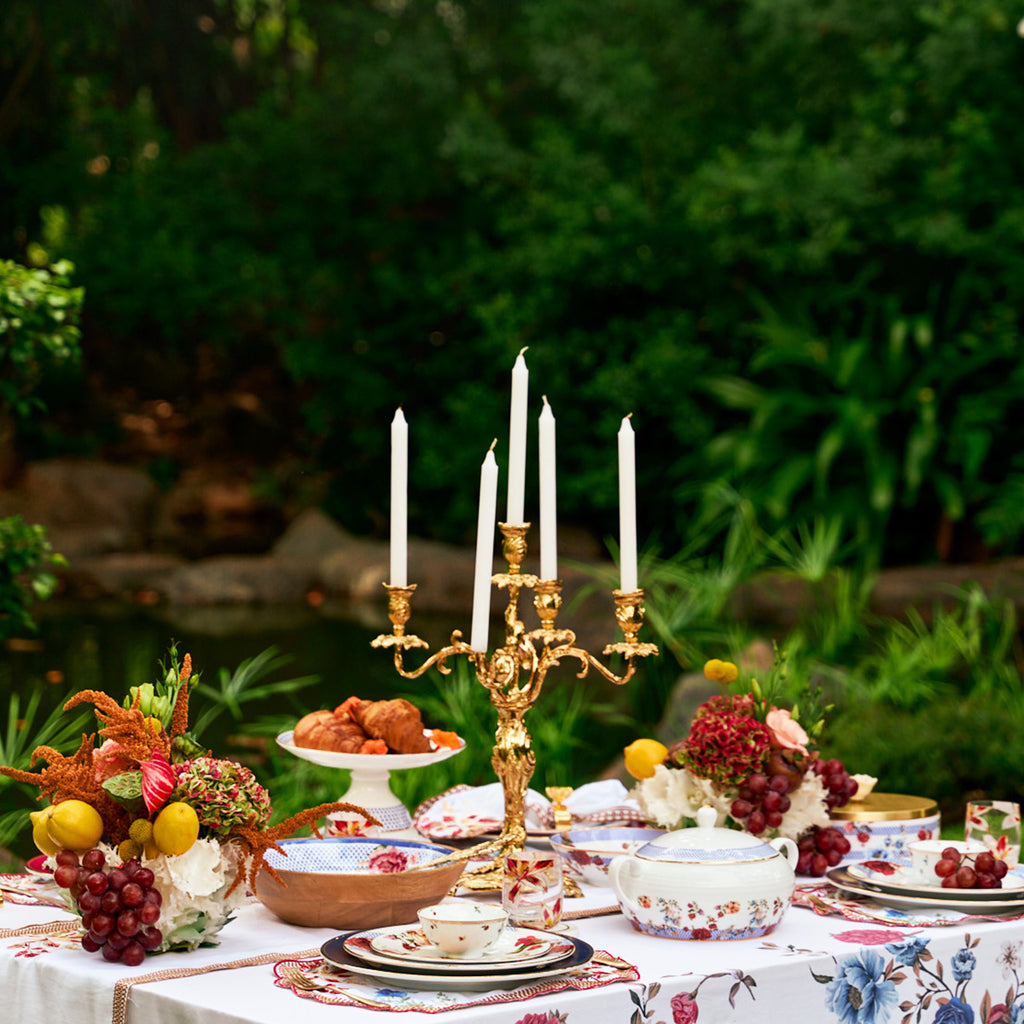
{"x":788,"y":849}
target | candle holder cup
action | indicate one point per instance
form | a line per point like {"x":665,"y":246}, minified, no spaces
{"x":514,"y":675}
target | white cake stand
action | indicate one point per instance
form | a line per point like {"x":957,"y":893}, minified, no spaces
{"x":370,"y":787}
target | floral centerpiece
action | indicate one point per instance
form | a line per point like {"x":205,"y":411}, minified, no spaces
{"x":153,"y":838}
{"x":755,"y":763}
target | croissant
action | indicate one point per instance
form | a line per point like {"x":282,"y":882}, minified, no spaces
{"x":322,"y":730}
{"x":397,"y":722}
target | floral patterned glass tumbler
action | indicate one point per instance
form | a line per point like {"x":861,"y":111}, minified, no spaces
{"x":996,"y":824}
{"x":532,"y":889}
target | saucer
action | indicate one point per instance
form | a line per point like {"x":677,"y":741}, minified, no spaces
{"x":409,"y":947}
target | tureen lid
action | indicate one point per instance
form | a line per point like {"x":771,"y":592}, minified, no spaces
{"x":707,"y":844}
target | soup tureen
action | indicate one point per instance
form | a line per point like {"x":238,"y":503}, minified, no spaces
{"x":706,"y":883}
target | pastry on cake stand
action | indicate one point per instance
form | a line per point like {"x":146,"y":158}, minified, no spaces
{"x":370,"y":787}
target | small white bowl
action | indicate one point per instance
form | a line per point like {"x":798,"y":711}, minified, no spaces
{"x":463,"y":928}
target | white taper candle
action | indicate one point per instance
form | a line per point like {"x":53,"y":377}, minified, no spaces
{"x":399,"y":499}
{"x":548,"y":504}
{"x":485,"y":524}
{"x":514,"y":514}
{"x":627,"y":507}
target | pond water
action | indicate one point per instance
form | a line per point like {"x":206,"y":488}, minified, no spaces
{"x":109,"y":646}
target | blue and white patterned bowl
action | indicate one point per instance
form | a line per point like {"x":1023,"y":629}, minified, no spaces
{"x":354,"y":855}
{"x":354,"y":882}
{"x":587,"y":853}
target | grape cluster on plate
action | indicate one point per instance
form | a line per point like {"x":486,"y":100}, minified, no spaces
{"x":970,"y":871}
{"x":119,"y":905}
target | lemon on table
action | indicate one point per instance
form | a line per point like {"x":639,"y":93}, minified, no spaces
{"x":643,"y":756}
{"x":39,"y":834}
{"x":74,"y":825}
{"x":176,"y":828}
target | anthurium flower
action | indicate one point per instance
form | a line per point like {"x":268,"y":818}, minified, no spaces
{"x":157,"y":781}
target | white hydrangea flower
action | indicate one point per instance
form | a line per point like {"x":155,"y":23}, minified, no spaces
{"x":807,"y":808}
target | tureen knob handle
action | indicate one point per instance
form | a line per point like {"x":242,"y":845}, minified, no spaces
{"x":707,"y":817}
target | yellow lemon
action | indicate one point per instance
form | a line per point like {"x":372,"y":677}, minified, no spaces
{"x":39,"y":834}
{"x":643,"y":756}
{"x":75,"y":825}
{"x":176,"y":828}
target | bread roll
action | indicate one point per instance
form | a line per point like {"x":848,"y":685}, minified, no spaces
{"x":322,"y":730}
{"x":397,"y":722}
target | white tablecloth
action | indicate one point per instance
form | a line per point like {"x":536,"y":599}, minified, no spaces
{"x":811,"y":969}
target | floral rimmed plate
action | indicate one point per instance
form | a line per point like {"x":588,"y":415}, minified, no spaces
{"x":517,"y":947}
{"x":330,"y":759}
{"x":904,"y":881}
{"x":430,"y":978}
{"x":842,"y":879}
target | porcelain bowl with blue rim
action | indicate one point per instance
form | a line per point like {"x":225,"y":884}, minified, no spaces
{"x":587,"y":853}
{"x":354,"y":882}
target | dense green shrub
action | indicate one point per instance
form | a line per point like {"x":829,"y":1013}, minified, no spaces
{"x":784,"y":234}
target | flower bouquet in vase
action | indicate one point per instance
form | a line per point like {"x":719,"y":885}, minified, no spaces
{"x":755,"y":763}
{"x":154,"y":841}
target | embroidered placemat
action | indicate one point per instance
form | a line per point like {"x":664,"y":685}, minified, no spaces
{"x":321,"y":981}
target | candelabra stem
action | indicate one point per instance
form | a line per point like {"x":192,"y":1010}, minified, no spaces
{"x":514,"y":675}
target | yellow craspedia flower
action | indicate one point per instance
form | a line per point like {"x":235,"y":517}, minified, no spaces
{"x":723,"y":672}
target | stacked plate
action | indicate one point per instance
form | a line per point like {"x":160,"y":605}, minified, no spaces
{"x":403,"y":957}
{"x":897,"y":884}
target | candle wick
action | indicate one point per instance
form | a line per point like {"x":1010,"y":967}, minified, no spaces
{"x":523,"y":349}
{"x":545,"y":397}
{"x":493,"y":443}
{"x":629,"y":415}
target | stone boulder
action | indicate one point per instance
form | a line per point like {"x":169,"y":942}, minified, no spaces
{"x":88,"y":508}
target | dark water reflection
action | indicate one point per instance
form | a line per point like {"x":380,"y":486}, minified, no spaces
{"x":107,"y":646}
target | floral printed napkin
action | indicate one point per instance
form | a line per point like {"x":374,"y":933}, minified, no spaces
{"x":464,"y":812}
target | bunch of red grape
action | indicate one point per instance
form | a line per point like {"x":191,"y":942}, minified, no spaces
{"x":820,"y":849}
{"x":119,"y":906}
{"x":761,"y":802}
{"x":839,"y":786}
{"x":970,"y":871}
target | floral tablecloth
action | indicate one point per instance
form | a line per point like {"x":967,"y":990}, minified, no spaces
{"x":815,"y":967}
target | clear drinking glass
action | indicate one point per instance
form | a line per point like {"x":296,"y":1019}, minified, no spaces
{"x":532,"y":889}
{"x":996,"y":823}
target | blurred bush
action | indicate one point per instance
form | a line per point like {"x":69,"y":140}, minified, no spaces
{"x":785,"y":233}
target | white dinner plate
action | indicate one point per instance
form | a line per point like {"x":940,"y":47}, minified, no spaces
{"x":842,"y":879}
{"x":331,"y":759}
{"x":518,"y":947}
{"x":333,"y":950}
{"x":903,"y":881}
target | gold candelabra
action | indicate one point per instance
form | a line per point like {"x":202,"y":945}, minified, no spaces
{"x":515,"y":672}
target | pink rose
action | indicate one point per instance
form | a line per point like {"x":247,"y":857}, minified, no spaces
{"x":684,"y":1008}
{"x":107,"y":761}
{"x":786,"y":732}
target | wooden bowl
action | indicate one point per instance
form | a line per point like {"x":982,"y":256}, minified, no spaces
{"x":339,"y":890}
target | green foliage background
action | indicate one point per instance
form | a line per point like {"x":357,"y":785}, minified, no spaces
{"x":785,"y":233}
